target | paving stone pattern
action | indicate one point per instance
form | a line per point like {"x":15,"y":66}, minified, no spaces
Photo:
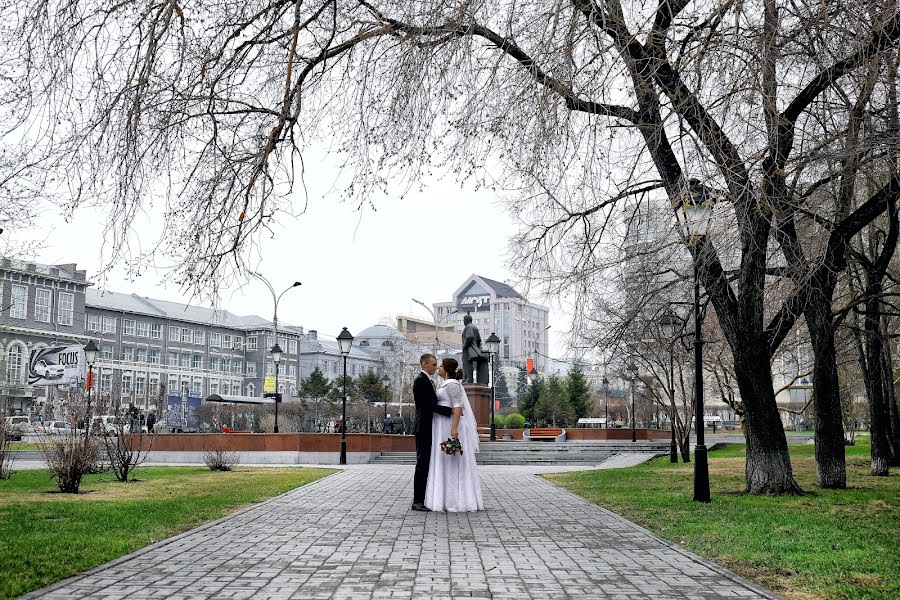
{"x":352,"y":535}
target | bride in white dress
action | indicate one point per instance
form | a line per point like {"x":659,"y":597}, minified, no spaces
{"x":453,"y":484}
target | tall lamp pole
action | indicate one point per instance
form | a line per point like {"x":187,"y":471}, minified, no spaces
{"x":385,"y":392}
{"x":276,"y":358}
{"x":606,"y":398}
{"x":493,"y":346}
{"x":90,"y":356}
{"x":695,"y":211}
{"x":345,"y":342}
{"x":670,"y":324}
{"x":633,"y":369}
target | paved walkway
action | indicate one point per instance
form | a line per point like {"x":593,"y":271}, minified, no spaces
{"x":352,"y":535}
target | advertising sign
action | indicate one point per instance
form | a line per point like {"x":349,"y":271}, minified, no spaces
{"x":173,"y":414}
{"x":56,"y":366}
{"x":269,"y":383}
{"x":474,"y":298}
{"x":194,"y":400}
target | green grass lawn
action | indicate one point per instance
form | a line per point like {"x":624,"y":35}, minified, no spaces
{"x":827,"y":544}
{"x":24,"y":446}
{"x":46,"y":536}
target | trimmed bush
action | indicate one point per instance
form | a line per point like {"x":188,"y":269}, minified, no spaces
{"x":499,"y":421}
{"x":514,"y":421}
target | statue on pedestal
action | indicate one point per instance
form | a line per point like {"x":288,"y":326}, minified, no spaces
{"x":475,"y":360}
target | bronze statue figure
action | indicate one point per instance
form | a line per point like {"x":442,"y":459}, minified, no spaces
{"x":475,"y":361}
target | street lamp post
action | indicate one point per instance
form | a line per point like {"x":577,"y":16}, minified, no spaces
{"x":670,"y":324}
{"x":90,"y":356}
{"x":493,"y":346}
{"x":385,"y":393}
{"x":276,"y":358}
{"x":345,"y":342}
{"x":435,"y":321}
{"x":632,"y":368}
{"x":694,"y":212}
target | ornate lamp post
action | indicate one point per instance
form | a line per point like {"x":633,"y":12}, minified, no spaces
{"x":670,"y":323}
{"x":493,"y":347}
{"x":606,"y":398}
{"x":276,"y":358}
{"x":90,"y":356}
{"x":385,"y":384}
{"x":345,"y":342}
{"x":632,"y":368}
{"x":694,"y":213}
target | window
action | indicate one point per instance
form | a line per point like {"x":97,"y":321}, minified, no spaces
{"x":128,"y":327}
{"x":19,"y":302}
{"x":187,"y":335}
{"x":236,"y":389}
{"x":66,"y":310}
{"x":251,"y":342}
{"x":153,"y":357}
{"x":270,"y":341}
{"x":140,"y":355}
{"x":42,"y":305}
{"x":226,"y":364}
{"x":226,"y":340}
{"x":251,"y":369}
{"x":292,"y":347}
{"x":155,"y":331}
{"x":238,"y":342}
{"x":251,"y":390}
{"x":93,"y":322}
{"x":173,"y":359}
{"x":14,"y":362}
{"x":154,"y":383}
{"x":292,"y":371}
{"x":213,"y":387}
{"x":214,"y":363}
{"x":143,"y":329}
{"x":140,"y":385}
{"x":105,"y":382}
{"x":174,"y":333}
{"x":197,"y":361}
{"x":107,"y":351}
{"x":215,"y":340}
{"x":127,"y":353}
{"x":109,"y":324}
{"x":185,"y":361}
{"x":173,"y":383}
{"x":199,"y":336}
{"x":270,"y":368}
{"x":283,"y":342}
{"x":126,"y":384}
{"x":237,"y":365}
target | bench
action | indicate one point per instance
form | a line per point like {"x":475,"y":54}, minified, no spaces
{"x":545,"y":433}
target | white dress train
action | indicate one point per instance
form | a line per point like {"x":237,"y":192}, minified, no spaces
{"x":453,"y":484}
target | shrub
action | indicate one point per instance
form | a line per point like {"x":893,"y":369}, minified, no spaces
{"x":70,"y":457}
{"x":218,"y":458}
{"x":6,"y":455}
{"x":499,"y":421}
{"x":515,"y":421}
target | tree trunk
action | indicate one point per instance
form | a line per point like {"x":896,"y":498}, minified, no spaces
{"x":892,"y":398}
{"x":879,"y":413}
{"x":831,"y":464}
{"x":768,"y":468}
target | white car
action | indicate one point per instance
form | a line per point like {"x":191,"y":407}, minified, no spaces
{"x":49,"y":370}
{"x":58,"y":428}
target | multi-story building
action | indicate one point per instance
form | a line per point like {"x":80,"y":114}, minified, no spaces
{"x":148,"y":346}
{"x":497,"y":308}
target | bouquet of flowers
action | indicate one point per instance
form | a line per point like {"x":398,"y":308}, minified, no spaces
{"x":451,"y":446}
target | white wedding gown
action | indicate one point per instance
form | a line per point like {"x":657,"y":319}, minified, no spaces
{"x":453,"y":484}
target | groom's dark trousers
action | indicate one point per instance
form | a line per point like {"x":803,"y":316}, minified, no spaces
{"x":426,"y":405}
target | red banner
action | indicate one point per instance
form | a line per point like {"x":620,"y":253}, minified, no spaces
{"x":496,"y":405}
{"x":529,"y":365}
{"x":89,"y":381}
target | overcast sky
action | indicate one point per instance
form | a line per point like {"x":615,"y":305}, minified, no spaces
{"x":356,"y":269}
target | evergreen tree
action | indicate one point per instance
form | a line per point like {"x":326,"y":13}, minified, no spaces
{"x":316,"y":385}
{"x":370,"y":387}
{"x":529,"y":399}
{"x":521,"y":383}
{"x":337,"y":389}
{"x":579,"y":392}
{"x":553,"y":403}
{"x":501,"y":391}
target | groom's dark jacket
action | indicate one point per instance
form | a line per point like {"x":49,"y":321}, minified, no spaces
{"x":426,"y":405}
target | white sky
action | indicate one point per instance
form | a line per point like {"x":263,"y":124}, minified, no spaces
{"x":355,"y":271}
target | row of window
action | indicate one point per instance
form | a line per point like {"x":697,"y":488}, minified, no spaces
{"x":43,"y":305}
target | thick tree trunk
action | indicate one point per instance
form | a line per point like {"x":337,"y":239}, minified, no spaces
{"x":831,"y":464}
{"x":891,"y":392}
{"x":879,"y":412}
{"x":768,"y":469}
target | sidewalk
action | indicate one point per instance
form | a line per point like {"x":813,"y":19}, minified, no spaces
{"x":352,"y":535}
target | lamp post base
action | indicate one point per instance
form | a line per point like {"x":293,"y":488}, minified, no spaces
{"x":701,"y":474}
{"x":493,"y":432}
{"x":673,"y":452}
{"x":343,"y":452}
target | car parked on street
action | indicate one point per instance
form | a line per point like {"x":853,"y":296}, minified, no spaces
{"x":58,"y":428}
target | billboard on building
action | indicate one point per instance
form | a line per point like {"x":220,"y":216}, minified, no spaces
{"x":60,"y":365}
{"x":474,"y":299}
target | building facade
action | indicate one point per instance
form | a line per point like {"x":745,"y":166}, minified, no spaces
{"x":496,"y":307}
{"x":148,"y":346}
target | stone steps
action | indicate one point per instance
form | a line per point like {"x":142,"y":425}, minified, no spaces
{"x":531,"y":453}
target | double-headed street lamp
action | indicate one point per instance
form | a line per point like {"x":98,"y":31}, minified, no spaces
{"x":694,"y":214}
{"x":276,"y":358}
{"x":345,"y":342}
{"x":670,"y":323}
{"x":493,"y":347}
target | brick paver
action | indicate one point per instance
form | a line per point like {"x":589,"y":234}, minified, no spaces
{"x":352,"y":535}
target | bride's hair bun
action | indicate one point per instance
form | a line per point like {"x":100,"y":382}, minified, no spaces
{"x":451,"y":367}
{"x":459,"y":374}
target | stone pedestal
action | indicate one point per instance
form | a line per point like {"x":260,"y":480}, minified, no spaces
{"x":480,"y":399}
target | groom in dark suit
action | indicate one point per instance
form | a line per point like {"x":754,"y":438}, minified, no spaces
{"x":426,"y":405}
